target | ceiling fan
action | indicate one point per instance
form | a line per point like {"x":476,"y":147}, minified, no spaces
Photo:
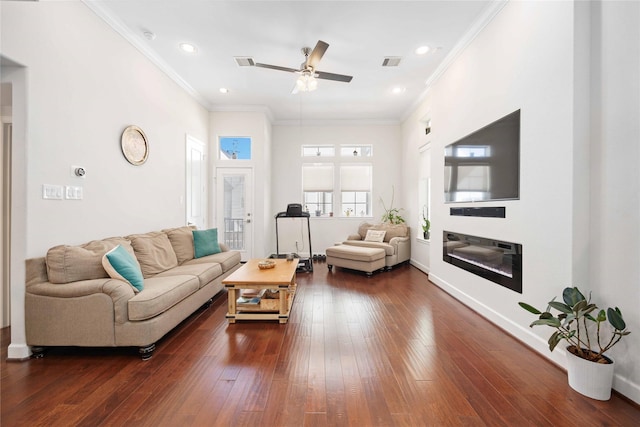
{"x":308,"y":72}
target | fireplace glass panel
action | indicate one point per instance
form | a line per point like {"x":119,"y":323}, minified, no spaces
{"x":495,"y":260}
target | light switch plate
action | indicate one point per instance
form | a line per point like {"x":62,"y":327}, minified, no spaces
{"x":52,"y":192}
{"x":73,"y":192}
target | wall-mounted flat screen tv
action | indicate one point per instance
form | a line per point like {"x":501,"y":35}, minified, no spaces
{"x":485,"y":165}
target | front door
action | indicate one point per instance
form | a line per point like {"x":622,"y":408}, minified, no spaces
{"x":234,"y":209}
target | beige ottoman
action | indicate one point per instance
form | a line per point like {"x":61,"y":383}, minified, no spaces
{"x":356,"y":258}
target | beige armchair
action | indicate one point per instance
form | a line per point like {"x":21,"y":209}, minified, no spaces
{"x":396,"y":241}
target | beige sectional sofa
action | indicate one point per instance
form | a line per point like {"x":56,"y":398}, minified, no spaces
{"x":71,"y":300}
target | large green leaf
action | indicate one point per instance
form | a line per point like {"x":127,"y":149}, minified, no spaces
{"x":553,"y":322}
{"x":615,"y":318}
{"x":529,"y":308}
{"x":554,"y":340}
{"x":571,"y":296}
{"x":560,"y":307}
{"x":579,"y":306}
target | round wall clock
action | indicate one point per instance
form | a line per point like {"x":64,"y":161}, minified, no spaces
{"x":135,"y":146}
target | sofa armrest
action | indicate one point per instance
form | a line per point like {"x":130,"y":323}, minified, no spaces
{"x":395,"y":241}
{"x":223,"y":247}
{"x":354,"y":237}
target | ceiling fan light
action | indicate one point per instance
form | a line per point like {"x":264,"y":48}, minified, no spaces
{"x":306,"y":82}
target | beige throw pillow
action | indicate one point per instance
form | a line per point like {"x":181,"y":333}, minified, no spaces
{"x":154,"y":253}
{"x":181,"y":239}
{"x":67,"y":264}
{"x":374,"y":236}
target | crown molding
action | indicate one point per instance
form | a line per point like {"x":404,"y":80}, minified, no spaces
{"x":330,"y":122}
{"x":476,"y":28}
{"x":118,"y":26}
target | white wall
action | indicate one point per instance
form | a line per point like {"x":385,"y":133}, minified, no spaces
{"x":615,"y":190}
{"x":287,"y":173}
{"x":534,"y":56}
{"x":84,"y":85}
{"x":257,"y":126}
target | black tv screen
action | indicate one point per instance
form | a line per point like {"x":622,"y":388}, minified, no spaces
{"x":485,"y":165}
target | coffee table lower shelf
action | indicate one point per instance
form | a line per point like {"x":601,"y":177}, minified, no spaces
{"x":266,"y":309}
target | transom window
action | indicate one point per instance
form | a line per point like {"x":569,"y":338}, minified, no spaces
{"x":235,"y":148}
{"x":356,"y":151}
{"x":318,"y":151}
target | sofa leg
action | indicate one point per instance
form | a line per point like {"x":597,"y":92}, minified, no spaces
{"x":38,"y":352}
{"x":147,"y":351}
{"x":369,"y":274}
{"x":330,"y":267}
{"x":208,"y":304}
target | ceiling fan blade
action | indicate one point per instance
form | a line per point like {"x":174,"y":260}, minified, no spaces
{"x":276,"y":67}
{"x":317,"y":53}
{"x":332,"y":76}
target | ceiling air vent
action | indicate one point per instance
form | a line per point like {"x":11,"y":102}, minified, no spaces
{"x":244,"y":61}
{"x":391,"y":61}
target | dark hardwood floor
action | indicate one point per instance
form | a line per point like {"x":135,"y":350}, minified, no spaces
{"x":392,"y":350}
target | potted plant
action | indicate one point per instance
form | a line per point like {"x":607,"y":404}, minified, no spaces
{"x":391,"y":214}
{"x":426,"y":225}
{"x":589,"y":370}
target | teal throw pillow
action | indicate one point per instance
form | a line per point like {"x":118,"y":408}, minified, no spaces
{"x":120,"y":264}
{"x":205,"y":242}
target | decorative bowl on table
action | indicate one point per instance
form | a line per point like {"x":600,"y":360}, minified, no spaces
{"x":266,"y":264}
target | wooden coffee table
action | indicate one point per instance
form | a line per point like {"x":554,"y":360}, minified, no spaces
{"x":282,"y":277}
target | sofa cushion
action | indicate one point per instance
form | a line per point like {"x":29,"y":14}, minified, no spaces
{"x":120,"y":264}
{"x":181,"y":240}
{"x":154,"y":253}
{"x":388,"y":249}
{"x":204,"y":272}
{"x":205,"y":242}
{"x":374,"y":235}
{"x":67,"y":264}
{"x":160,"y":294}
{"x":392,"y":230}
{"x":363,"y":228}
{"x":227,"y":260}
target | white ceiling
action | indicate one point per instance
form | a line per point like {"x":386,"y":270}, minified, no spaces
{"x":360,"y":35}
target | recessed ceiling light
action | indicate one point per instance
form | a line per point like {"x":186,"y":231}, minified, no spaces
{"x":422,"y":50}
{"x":224,"y":90}
{"x":189,"y":48}
{"x":398,"y":90}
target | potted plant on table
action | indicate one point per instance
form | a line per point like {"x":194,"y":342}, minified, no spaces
{"x":590,"y":372}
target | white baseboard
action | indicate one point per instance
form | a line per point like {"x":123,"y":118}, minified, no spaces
{"x":419,"y":266}
{"x":621,"y":384}
{"x":18,"y":352}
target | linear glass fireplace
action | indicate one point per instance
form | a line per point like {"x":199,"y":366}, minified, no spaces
{"x":495,"y":260}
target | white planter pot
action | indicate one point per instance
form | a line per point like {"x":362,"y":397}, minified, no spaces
{"x":591,"y":379}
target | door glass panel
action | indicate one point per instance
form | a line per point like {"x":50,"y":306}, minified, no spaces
{"x":234,"y":211}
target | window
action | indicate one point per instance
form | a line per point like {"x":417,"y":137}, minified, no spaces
{"x":355,"y":189}
{"x":235,"y":148}
{"x":317,"y":188}
{"x":318,"y":151}
{"x":356,"y":151}
{"x":424,"y":188}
